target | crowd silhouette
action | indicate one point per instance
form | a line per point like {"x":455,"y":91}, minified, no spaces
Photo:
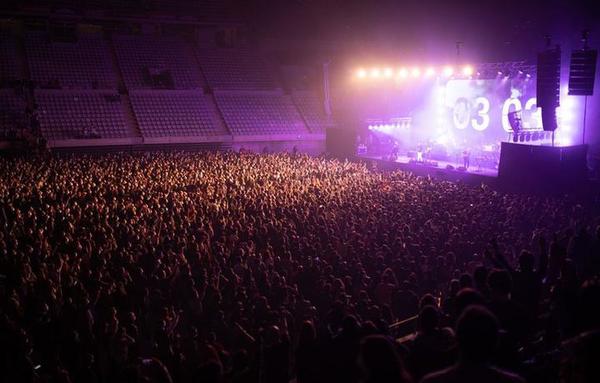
{"x":238,"y":267}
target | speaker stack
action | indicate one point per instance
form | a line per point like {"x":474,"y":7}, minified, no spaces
{"x":548,"y":86}
{"x":582,"y":72}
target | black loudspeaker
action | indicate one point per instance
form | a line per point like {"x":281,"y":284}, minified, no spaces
{"x":549,"y":118}
{"x":548,"y":78}
{"x":341,"y":142}
{"x":582,"y":72}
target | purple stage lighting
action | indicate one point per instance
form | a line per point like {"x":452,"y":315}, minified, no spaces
{"x":448,"y":71}
{"x":403,"y":73}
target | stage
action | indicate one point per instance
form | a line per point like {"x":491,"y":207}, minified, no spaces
{"x":447,"y":170}
{"x":522,"y":167}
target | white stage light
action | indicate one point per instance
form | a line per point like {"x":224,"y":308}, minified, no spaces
{"x":448,"y":71}
{"x":430,"y":72}
{"x":467,"y":70}
{"x":416,"y":72}
{"x":388,"y":72}
{"x":361,"y":73}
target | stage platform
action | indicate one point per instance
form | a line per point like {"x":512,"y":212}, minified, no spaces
{"x":523,"y":168}
{"x":446,"y":170}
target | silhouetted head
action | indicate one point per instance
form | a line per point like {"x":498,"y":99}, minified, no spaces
{"x":307,"y":332}
{"x":588,"y":310}
{"x":526,"y":261}
{"x":428,"y":318}
{"x":466,"y":281}
{"x":466,"y":298}
{"x":350,"y":325}
{"x":500,"y":282}
{"x":579,"y":365}
{"x":427,"y":300}
{"x":477,"y":334}
{"x":379,"y":361}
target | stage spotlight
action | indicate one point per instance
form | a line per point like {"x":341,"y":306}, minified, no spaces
{"x":403,"y":73}
{"x":499,"y":73}
{"x":416,"y":72}
{"x":448,"y":71}
{"x":388,"y":72}
{"x":430,"y":72}
{"x":361,"y":73}
{"x":467,"y":70}
{"x":375,"y":73}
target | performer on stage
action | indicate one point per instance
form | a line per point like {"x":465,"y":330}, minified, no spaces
{"x":466,"y":158}
{"x":420,"y":153}
{"x":395,"y":151}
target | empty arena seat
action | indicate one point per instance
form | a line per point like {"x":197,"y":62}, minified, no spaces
{"x":174,"y":113}
{"x":83,"y":64}
{"x":11,"y":111}
{"x":202,"y":10}
{"x":236,"y":69}
{"x":70,"y":114}
{"x":9,"y":69}
{"x":148,"y":62}
{"x":259,"y":113}
{"x":312,"y":110}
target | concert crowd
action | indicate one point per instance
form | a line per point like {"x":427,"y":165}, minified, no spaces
{"x":238,"y":267}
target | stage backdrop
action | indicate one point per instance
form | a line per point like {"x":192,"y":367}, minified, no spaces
{"x":477,"y":110}
{"x":455,"y":113}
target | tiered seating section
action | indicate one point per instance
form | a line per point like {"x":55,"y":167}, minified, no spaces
{"x":84,"y":64}
{"x":12,"y":109}
{"x":236,"y":69}
{"x":139,"y":55}
{"x":202,"y":10}
{"x":312,"y":110}
{"x":259,"y":113}
{"x":67,"y":114}
{"x":8,"y":58}
{"x":165,"y":77}
{"x":174,"y":113}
